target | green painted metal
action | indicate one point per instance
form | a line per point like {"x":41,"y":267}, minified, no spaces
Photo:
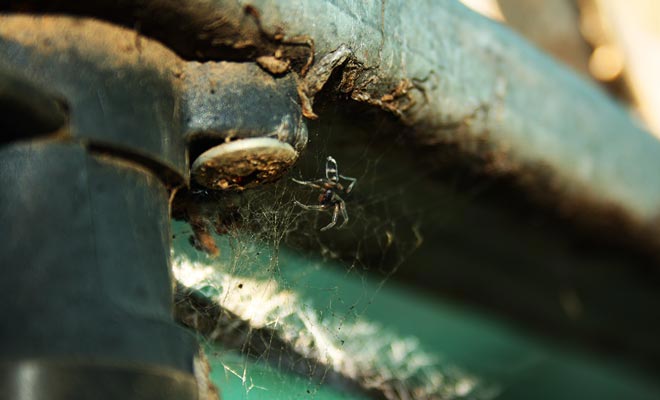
{"x":241,"y":378}
{"x":509,"y":363}
{"x":519,"y":102}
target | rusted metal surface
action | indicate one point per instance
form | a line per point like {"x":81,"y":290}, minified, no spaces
{"x":459,"y":80}
{"x":243,"y":164}
{"x":126,"y":115}
{"x":241,"y":125}
{"x":318,"y":76}
{"x":480,"y":88}
{"x":173,"y":104}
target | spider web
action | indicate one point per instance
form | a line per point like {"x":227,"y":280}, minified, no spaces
{"x":283,"y":296}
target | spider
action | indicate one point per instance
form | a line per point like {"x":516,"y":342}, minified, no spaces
{"x":331,"y":188}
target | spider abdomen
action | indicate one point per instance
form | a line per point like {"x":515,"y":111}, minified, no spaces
{"x":326,"y":198}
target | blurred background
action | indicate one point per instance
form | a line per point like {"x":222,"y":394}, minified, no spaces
{"x":615,"y":43}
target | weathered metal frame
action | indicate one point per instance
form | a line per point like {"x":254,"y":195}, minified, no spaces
{"x":451,"y":74}
{"x":477,"y":84}
{"x":467,"y":84}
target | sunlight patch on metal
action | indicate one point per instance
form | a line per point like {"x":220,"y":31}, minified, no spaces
{"x":346,"y":333}
{"x":293,"y":321}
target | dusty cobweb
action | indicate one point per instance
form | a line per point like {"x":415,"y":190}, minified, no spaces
{"x":291,"y":297}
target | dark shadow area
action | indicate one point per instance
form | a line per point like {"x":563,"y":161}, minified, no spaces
{"x":27,"y":111}
{"x":446,"y":225}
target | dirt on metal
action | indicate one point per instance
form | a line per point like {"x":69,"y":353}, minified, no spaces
{"x":197,"y":30}
{"x":225,"y":30}
{"x":243,"y":164}
{"x":273,"y":64}
{"x":116,"y":46}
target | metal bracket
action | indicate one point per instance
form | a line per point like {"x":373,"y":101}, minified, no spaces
{"x":103,"y":124}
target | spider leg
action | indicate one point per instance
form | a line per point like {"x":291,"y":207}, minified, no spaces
{"x":306,"y":183}
{"x":335,"y":215}
{"x":309,"y":207}
{"x":344,"y":214}
{"x":331,"y":170}
{"x":350,"y":186}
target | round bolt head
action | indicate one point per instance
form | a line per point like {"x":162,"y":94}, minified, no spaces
{"x":242,"y":164}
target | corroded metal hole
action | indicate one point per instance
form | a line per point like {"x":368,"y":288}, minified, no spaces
{"x":242,"y":164}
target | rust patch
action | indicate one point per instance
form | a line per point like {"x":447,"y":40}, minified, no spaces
{"x":249,"y":172}
{"x":273,"y":64}
{"x":360,"y":83}
{"x":201,"y":238}
{"x":397,"y":101}
{"x":207,"y":212}
{"x":318,"y":76}
{"x":235,"y":34}
{"x":242,"y":164}
{"x":282,"y":58}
